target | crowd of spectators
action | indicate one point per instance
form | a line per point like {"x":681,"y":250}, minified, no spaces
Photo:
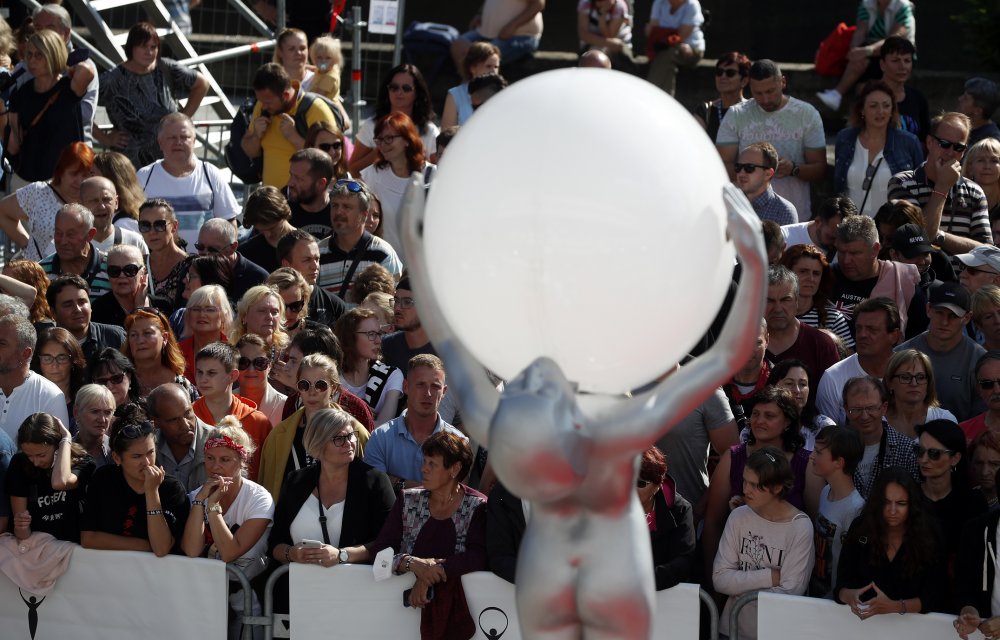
{"x":232,"y":391}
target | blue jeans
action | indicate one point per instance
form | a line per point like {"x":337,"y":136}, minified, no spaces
{"x":511,"y":49}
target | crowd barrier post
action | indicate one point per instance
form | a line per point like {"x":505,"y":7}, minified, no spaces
{"x":734,"y":614}
{"x":268,"y":603}
{"x":713,"y":614}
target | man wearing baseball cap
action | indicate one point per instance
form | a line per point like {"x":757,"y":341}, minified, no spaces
{"x":981,"y":266}
{"x":909,"y":245}
{"x":953,"y":354}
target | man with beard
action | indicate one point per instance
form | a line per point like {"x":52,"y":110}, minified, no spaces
{"x":309,"y":176}
{"x":181,"y":436}
{"x":22,"y":391}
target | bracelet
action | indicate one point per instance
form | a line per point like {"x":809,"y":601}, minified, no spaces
{"x":409,"y":561}
{"x":902,"y":607}
{"x":64,"y":440}
{"x":154,"y":512}
{"x":288,"y":550}
{"x":939,"y":193}
{"x":196,"y":503}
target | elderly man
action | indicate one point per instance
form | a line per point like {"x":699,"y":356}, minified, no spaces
{"x":822,"y":229}
{"x":791,"y":125}
{"x":865,"y":403}
{"x":952,"y":353}
{"x":310,"y":176}
{"x":69,"y":299}
{"x":76,"y":252}
{"x":754,"y":170}
{"x":22,"y":391}
{"x":181,"y":436}
{"x":859,"y":275}
{"x":346,"y":253}
{"x":394,"y":448}
{"x":955,"y":208}
{"x":980,"y":267}
{"x":100,"y":196}
{"x":195,"y":189}
{"x":979,"y":102}
{"x":218,"y":238}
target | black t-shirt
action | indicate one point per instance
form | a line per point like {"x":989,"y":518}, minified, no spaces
{"x":914,"y":114}
{"x":297,"y":457}
{"x":113,"y":507}
{"x":53,"y":512}
{"x":848,"y":293}
{"x":317,"y":223}
{"x":107,"y":310}
{"x":59,"y":126}
{"x":397,"y":353}
{"x":257,"y":250}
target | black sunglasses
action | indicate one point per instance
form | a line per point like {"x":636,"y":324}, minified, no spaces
{"x":296,"y":306}
{"x":729,"y":73}
{"x":933,"y":454}
{"x":204,"y":247}
{"x":145,"y":226}
{"x":327,"y":146}
{"x":118,"y":378}
{"x":130,"y":271}
{"x":259,"y":363}
{"x":748,"y":167}
{"x":986,"y":384}
{"x":948,"y":144}
{"x":321,"y":385}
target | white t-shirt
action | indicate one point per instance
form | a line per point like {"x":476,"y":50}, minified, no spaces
{"x":366,"y":136}
{"x":306,"y":525}
{"x":878,"y":195}
{"x":253,"y":502}
{"x":35,"y":395}
{"x":797,"y":233}
{"x":390,"y":190}
{"x":196,"y":197}
{"x":394,"y":383}
{"x":834,"y":518}
{"x":829,"y":394}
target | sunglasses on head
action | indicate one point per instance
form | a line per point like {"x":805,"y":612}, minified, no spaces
{"x":729,"y":73}
{"x":948,"y":144}
{"x":130,"y":271}
{"x":933,"y":454}
{"x":351,"y":185}
{"x":145,"y":226}
{"x":296,"y":306}
{"x":328,"y":146}
{"x":259,"y":363}
{"x":405,"y":88}
{"x":747,"y":167}
{"x":321,"y":385}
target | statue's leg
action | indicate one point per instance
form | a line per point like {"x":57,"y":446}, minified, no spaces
{"x":546,"y":582}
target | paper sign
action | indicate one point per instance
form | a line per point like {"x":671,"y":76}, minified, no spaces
{"x":382,"y":16}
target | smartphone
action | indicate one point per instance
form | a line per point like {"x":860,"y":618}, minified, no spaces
{"x":406,"y":595}
{"x":311,"y":544}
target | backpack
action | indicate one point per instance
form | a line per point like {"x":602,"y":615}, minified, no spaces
{"x":251,"y":170}
{"x":427,"y":45}
{"x":831,"y":56}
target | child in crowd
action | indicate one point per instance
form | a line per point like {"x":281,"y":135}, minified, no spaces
{"x":443,"y":140}
{"x":215,"y":372}
{"x":325,"y":54}
{"x":836,"y":455}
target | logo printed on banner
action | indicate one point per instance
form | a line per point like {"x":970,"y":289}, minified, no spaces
{"x":32,"y":603}
{"x":493,"y":634}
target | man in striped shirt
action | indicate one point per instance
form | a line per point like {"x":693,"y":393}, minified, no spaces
{"x":955,"y":211}
{"x":76,"y":252}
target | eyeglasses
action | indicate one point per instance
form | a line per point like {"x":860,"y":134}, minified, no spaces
{"x":403,"y":303}
{"x":339,"y":441}
{"x":371,"y":335}
{"x":855,"y":412}
{"x":327,"y":146}
{"x":986,"y":384}
{"x":405,"y":88}
{"x":387,"y":139}
{"x":948,"y":144}
{"x":748,"y":167}
{"x":259,"y":363}
{"x":296,"y":306}
{"x":352,"y":186}
{"x":209,"y":310}
{"x":116,"y":379}
{"x":204,"y":247}
{"x":321,"y":385}
{"x":145,"y":226}
{"x":45,"y":358}
{"x":933,"y":454}
{"x":130,"y":271}
{"x":729,"y":73}
{"x":910,"y":378}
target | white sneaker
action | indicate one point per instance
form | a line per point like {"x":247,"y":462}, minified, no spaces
{"x":831,"y":98}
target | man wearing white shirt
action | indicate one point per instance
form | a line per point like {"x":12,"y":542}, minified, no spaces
{"x":822,"y":229}
{"x":22,"y":391}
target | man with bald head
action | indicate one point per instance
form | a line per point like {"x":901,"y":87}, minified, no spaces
{"x":595,"y":58}
{"x":180,"y":437}
{"x":217,"y":237}
{"x":76,"y":253}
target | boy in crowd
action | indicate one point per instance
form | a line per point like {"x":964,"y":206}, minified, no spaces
{"x":215,"y":372}
{"x":836,"y":455}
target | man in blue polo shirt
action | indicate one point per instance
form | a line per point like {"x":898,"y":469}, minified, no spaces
{"x":394,"y":447}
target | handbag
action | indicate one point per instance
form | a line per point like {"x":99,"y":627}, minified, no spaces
{"x":831,"y":56}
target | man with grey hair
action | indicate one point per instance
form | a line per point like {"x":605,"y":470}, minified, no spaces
{"x":859,"y":274}
{"x":349,"y":249}
{"x":76,"y":252}
{"x":22,"y":391}
{"x":10,"y":305}
{"x":980,"y":101}
{"x":788,"y":337}
{"x":218,"y":238}
{"x":100,"y":196}
{"x":194,"y":188}
{"x":180,"y":437}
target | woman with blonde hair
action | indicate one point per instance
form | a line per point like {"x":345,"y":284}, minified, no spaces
{"x":152,"y":347}
{"x":372,"y":278}
{"x":295,"y":293}
{"x":208,"y":319}
{"x":381,"y":303}
{"x":260,"y":311}
{"x":909,"y":378}
{"x":982,"y":166}
{"x":285,"y":450}
{"x":986,"y":315}
{"x":31,"y":273}
{"x":117,"y":168}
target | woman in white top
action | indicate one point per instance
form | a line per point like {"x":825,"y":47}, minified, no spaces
{"x":400,"y":154}
{"x":767,"y":544}
{"x":909,"y":377}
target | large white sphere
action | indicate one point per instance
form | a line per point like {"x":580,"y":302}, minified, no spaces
{"x":579,"y":215}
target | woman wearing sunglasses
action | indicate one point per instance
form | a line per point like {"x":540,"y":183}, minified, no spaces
{"x":59,"y":358}
{"x":285,"y":450}
{"x":940,"y":452}
{"x":295,"y":292}
{"x":168,"y":262}
{"x":732,"y":75}
{"x":113,"y":370}
{"x":403,"y":90}
{"x":255,"y":366}
{"x":134,"y":505}
{"x":129,"y":286}
{"x":208,"y":319}
{"x":363,"y":373}
{"x":353,"y":497}
{"x":873,"y":149}
{"x":331,"y":141}
{"x":151,"y":346}
{"x":909,"y":377}
{"x":670,"y":520}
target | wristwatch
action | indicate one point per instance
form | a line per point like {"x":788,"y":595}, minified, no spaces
{"x":343,"y":557}
{"x":795,"y":170}
{"x":215,"y":508}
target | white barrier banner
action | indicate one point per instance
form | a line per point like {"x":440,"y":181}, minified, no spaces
{"x":121,"y":595}
{"x":491,"y":602}
{"x":783,"y":616}
{"x":346,"y":602}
